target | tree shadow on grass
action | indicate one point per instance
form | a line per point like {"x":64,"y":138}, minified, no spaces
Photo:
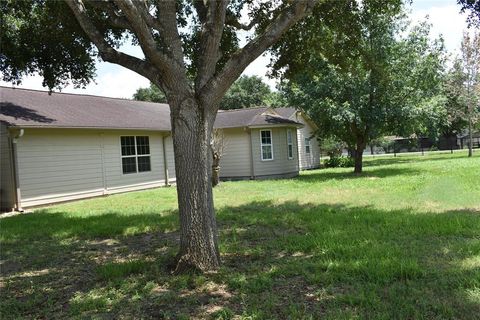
{"x":286,"y":260}
{"x":323,"y":175}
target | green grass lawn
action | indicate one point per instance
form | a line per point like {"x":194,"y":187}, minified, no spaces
{"x":401,"y":241}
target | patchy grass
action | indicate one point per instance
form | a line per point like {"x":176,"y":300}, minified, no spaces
{"x":401,"y":241}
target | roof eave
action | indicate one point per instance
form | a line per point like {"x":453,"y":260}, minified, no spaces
{"x":14,"y":126}
{"x":295,"y":125}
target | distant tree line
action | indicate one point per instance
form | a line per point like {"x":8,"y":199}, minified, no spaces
{"x":246,"y":92}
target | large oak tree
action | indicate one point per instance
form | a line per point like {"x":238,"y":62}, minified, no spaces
{"x":191,"y":52}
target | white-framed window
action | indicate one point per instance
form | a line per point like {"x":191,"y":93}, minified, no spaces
{"x":135,"y":154}
{"x":307,"y":145}
{"x":289,"y":144}
{"x":266,"y":145}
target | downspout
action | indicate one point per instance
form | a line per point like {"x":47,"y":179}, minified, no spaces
{"x":252,"y":169}
{"x":16,"y":179}
{"x":298,"y":150}
{"x":165,"y":163}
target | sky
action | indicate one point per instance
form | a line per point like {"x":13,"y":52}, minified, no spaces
{"x":116,"y":81}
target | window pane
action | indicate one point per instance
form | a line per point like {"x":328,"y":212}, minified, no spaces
{"x":129,"y":165}
{"x":144,"y":164}
{"x":266,"y":137}
{"x":128,"y":145}
{"x":143,"y":145}
{"x":267,"y":153}
{"x":307,"y":145}
{"x":290,"y":151}
{"x":289,"y":136}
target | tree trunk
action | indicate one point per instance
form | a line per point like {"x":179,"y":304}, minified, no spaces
{"x":359,"y":158}
{"x":191,"y":130}
{"x":470,"y":137}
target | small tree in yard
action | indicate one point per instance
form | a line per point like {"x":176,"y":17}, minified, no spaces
{"x":217,"y":146}
{"x":373,"y":83}
{"x":191,"y":52}
{"x":456,"y":105}
{"x":470,"y":58}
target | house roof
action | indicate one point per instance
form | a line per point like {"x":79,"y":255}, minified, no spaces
{"x":251,"y":117}
{"x":286,"y":112}
{"x":39,"y":109}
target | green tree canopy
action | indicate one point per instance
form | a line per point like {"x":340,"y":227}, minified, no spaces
{"x":384,"y":84}
{"x":246,"y":92}
{"x":456,"y":105}
{"x":152,"y":94}
{"x":473,"y":9}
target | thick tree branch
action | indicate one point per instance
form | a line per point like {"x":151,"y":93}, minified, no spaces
{"x":167,"y":11}
{"x":143,"y":33}
{"x":214,"y":90}
{"x":105,"y":50}
{"x":173,"y":73}
{"x":211,"y":35}
{"x":201,"y":10}
{"x":149,"y":19}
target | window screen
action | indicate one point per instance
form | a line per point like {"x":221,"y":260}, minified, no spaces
{"x":135,"y":154}
{"x":266,"y":144}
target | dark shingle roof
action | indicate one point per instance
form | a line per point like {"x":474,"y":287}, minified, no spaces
{"x":251,"y":117}
{"x":32,"y":108}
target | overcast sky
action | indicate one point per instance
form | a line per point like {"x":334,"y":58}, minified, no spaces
{"x":116,"y":81}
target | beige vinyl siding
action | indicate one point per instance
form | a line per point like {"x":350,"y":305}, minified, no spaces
{"x":170,"y":159}
{"x":235,"y":161}
{"x":57,"y":164}
{"x":65,"y":164}
{"x":280,"y":164}
{"x":7,"y":192}
{"x":312,"y":160}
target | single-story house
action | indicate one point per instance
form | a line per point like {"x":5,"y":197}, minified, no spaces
{"x":59,"y":147}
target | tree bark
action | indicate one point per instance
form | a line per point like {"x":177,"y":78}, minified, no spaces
{"x":191,"y":130}
{"x":359,"y":158}
{"x":470,"y":137}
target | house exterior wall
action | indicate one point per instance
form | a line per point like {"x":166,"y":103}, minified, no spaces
{"x":280,"y":166}
{"x":64,"y":164}
{"x":170,"y":159}
{"x":312,"y":160}
{"x":56,"y":165}
{"x":236,"y":158}
{"x":7,"y":191}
